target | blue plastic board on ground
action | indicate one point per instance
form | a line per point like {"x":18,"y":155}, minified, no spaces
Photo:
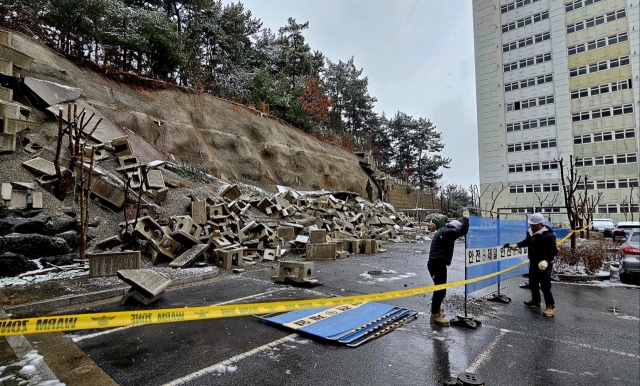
{"x":334,"y":322}
{"x":484,"y":253}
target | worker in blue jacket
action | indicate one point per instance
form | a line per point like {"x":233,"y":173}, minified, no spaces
{"x":440,"y":255}
{"x":541,"y":242}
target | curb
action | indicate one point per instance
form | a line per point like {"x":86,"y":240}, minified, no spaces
{"x":581,"y":278}
{"x":71,"y":300}
{"x":21,"y":347}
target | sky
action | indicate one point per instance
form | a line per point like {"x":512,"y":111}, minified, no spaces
{"x":418,"y":56}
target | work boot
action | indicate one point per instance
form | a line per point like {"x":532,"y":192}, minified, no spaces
{"x":441,"y":312}
{"x":550,"y":311}
{"x":437,"y":319}
{"x":532,"y":303}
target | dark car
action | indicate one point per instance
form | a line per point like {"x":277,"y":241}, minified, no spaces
{"x":629,"y":256}
{"x":619,"y":233}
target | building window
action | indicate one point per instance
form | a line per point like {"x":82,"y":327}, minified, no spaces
{"x":599,"y":66}
{"x":595,"y":44}
{"x":627,"y":133}
{"x":594,"y":21}
{"x":525,"y":21}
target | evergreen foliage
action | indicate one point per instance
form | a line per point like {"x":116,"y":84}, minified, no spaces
{"x":224,"y":50}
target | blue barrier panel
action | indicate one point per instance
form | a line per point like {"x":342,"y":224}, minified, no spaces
{"x":484,"y":253}
{"x":561,"y":233}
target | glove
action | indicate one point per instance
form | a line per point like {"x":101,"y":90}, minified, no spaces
{"x":512,"y":246}
{"x":506,"y":246}
{"x":465,"y":214}
{"x":543,"y":265}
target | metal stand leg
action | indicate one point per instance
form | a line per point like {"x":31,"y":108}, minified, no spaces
{"x":498,"y":297}
{"x":467,"y":320}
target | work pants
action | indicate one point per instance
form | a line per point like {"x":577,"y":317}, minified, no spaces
{"x":542,"y":279}
{"x":438,"y":272}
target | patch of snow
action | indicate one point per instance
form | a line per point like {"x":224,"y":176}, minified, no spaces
{"x":559,"y":371}
{"x":628,"y":317}
{"x":28,"y":371}
{"x":288,"y":372}
{"x":366,"y":276}
{"x":232,"y":369}
{"x":222,"y":369}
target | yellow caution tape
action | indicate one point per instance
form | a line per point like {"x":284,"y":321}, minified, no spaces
{"x":130,"y":318}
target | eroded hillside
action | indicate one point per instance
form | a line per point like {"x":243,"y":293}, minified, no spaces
{"x":234,"y":142}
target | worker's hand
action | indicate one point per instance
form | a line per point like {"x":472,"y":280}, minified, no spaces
{"x":465,"y":214}
{"x":543,"y":265}
{"x":506,"y":246}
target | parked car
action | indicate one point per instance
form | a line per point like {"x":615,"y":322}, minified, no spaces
{"x":619,"y":231}
{"x":603,"y":225}
{"x":629,"y":256}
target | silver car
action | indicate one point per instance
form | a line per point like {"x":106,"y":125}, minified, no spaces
{"x":629,"y":256}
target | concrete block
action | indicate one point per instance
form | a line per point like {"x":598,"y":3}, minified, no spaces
{"x":18,"y":199}
{"x":187,"y":225}
{"x":128,"y":162}
{"x":231,"y":192}
{"x":326,"y":251}
{"x":6,"y":67}
{"x":13,"y":126}
{"x":226,"y":258}
{"x":342,"y":254}
{"x":185,"y":239}
{"x":6,"y":94}
{"x":109,"y":242}
{"x":41,"y":167}
{"x":369,"y":247}
{"x":16,"y":57}
{"x":189,"y":256}
{"x":286,"y":233}
{"x":296,"y":272}
{"x":147,"y":286}
{"x":218,"y":240}
{"x":109,"y":192}
{"x":9,"y":110}
{"x":155,"y":179}
{"x":6,"y":191}
{"x":301,"y":239}
{"x":160,"y":195}
{"x":32,"y":145}
{"x":379,"y":245}
{"x":109,"y":263}
{"x":121,"y":146}
{"x":271,"y":254}
{"x":166,"y":247}
{"x":357,"y":247}
{"x":318,"y":236}
{"x":215,"y":211}
{"x":36,"y":200}
{"x":7,"y":142}
{"x":51,"y":93}
{"x":5,"y":38}
{"x":199,"y":212}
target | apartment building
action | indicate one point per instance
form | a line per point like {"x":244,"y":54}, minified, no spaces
{"x":554,"y":79}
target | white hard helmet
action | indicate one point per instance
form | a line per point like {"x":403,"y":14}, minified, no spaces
{"x":536,"y":218}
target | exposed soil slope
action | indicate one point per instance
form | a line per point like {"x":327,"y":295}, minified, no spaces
{"x":235,"y":143}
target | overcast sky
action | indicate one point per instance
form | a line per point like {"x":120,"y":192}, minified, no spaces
{"x":418,"y":56}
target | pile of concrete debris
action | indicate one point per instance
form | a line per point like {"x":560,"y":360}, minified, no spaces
{"x":221,"y":231}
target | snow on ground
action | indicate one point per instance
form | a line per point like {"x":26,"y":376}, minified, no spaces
{"x":24,"y":372}
{"x":16,"y":281}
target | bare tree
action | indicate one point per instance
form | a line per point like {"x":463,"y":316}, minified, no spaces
{"x":76,"y":151}
{"x":627,"y":205}
{"x":571,"y":179}
{"x":495,"y":193}
{"x":474,"y":192}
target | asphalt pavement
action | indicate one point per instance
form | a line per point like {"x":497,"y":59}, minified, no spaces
{"x":587,"y":343}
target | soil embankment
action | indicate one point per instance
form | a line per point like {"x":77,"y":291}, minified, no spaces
{"x":234,"y":142}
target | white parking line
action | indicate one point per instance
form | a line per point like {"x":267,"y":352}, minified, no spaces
{"x":486,"y":353}
{"x":214,"y":368}
{"x":105,"y":332}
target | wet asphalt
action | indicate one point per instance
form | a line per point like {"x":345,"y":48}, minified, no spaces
{"x":584,"y":344}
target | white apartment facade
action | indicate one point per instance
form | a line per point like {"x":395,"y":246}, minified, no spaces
{"x":554,"y":79}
